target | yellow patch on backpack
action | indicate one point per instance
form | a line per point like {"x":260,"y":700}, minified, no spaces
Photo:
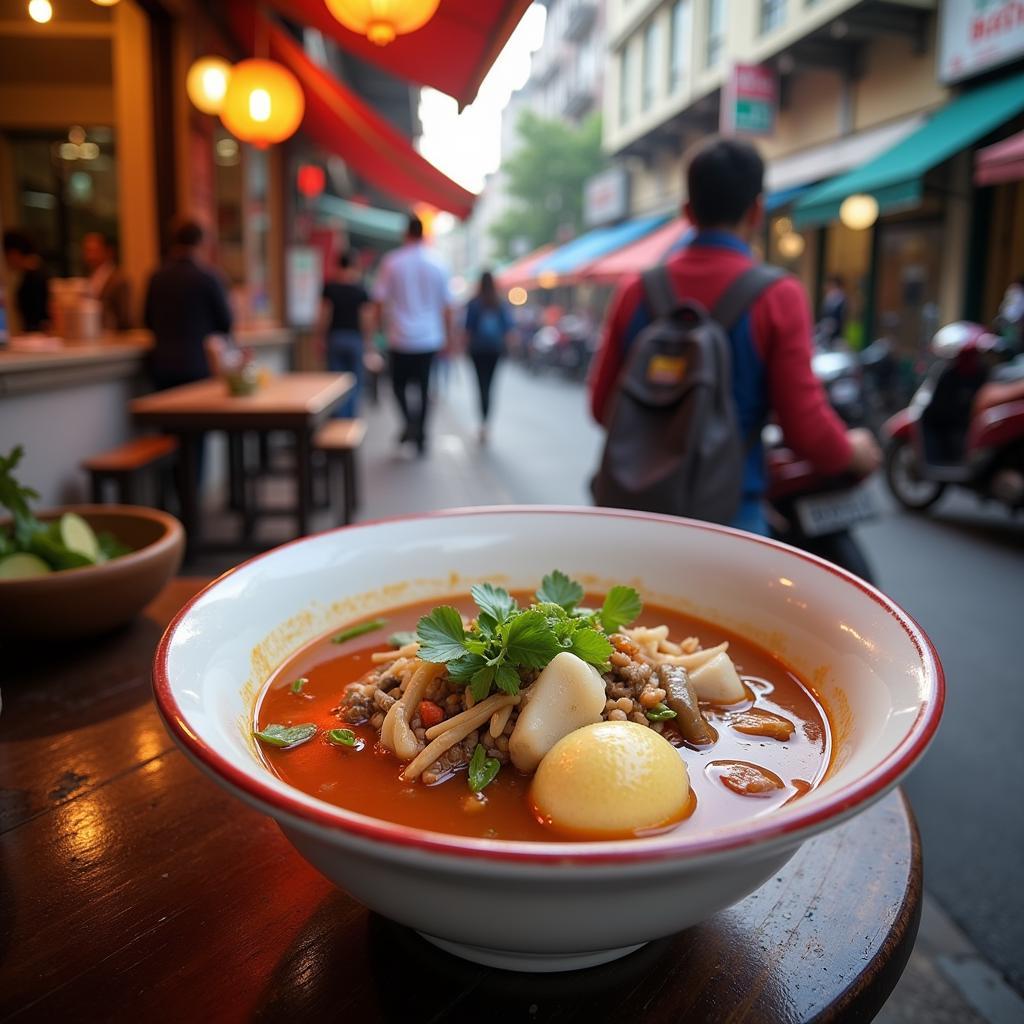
{"x":666,"y":369}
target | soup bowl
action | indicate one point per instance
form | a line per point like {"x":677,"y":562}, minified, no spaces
{"x":560,"y":905}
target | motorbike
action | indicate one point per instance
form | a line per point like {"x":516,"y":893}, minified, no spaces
{"x":813,"y":512}
{"x":964,"y":426}
{"x":566,"y":346}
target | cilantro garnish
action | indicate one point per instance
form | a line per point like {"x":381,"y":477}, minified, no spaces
{"x":557,"y":588}
{"x":482,"y":770}
{"x":506,"y":639}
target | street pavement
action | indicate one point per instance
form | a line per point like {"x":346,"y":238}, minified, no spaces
{"x":957,"y":570}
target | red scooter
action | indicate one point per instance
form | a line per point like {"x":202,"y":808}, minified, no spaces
{"x":964,"y":426}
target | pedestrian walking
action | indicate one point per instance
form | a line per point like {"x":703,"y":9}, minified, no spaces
{"x":769,"y":337}
{"x":415,"y":303}
{"x":346,"y":328}
{"x":833,"y":309}
{"x":488,"y":333}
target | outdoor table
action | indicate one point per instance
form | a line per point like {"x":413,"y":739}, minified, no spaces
{"x":293,"y":402}
{"x":135,"y":888}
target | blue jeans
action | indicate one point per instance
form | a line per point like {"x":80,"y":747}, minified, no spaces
{"x":345,"y":355}
{"x":750,"y":517}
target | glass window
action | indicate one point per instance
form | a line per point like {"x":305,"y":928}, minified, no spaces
{"x":625,"y":83}
{"x":650,"y":65}
{"x":773,"y":14}
{"x":681,"y":28}
{"x":716,"y":32}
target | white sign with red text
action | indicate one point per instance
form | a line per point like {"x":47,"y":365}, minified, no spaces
{"x":976,"y":35}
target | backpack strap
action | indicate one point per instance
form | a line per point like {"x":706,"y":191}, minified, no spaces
{"x":660,"y":292}
{"x":741,"y":293}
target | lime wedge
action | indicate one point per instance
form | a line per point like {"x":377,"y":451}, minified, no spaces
{"x":78,"y":536}
{"x":21,"y":566}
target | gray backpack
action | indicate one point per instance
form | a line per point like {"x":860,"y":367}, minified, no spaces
{"x":674,"y":443}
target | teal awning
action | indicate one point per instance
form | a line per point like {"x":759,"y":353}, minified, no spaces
{"x":368,"y":221}
{"x":895,"y":178}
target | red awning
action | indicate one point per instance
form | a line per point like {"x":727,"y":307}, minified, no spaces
{"x":340,"y":122}
{"x":638,"y":257}
{"x":452,"y":52}
{"x":519,"y":273}
{"x":1000,"y":162}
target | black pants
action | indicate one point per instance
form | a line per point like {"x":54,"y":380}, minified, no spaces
{"x":485,"y":363}
{"x":412,"y":368}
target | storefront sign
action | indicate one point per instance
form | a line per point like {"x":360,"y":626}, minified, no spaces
{"x":975,"y":35}
{"x":606,"y":197}
{"x":304,"y":280}
{"x":749,"y":101}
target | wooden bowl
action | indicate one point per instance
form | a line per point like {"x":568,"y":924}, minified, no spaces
{"x":74,"y":603}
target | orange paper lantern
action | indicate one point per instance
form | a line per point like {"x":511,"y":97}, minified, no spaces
{"x":207,"y":83}
{"x":311,"y":180}
{"x":264,"y":102}
{"x":381,"y":20}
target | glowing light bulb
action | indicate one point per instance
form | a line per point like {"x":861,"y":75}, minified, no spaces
{"x":259,"y":105}
{"x":40,"y":11}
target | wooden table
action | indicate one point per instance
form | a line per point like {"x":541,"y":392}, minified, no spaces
{"x":135,"y":889}
{"x":293,"y":402}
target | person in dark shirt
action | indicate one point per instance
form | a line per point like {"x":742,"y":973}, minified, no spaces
{"x":32,"y":299}
{"x":488,"y":327}
{"x":346,"y":328}
{"x":185,"y":304}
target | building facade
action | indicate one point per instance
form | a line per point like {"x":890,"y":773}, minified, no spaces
{"x":847,"y":81}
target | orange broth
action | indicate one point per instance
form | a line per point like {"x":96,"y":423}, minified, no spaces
{"x":367,"y":780}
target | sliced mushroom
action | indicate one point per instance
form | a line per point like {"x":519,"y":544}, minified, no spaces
{"x":682,"y":699}
{"x":756,"y":722}
{"x":745,"y":778}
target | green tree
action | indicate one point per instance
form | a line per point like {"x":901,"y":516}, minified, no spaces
{"x":545,"y":179}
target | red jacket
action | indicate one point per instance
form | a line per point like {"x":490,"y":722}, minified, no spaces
{"x":771,"y":350}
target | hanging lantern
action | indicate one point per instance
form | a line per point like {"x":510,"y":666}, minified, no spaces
{"x":207,"y":83}
{"x":264,"y":102}
{"x":104,"y":3}
{"x":859,"y":212}
{"x":791,"y":245}
{"x":310,"y":180}
{"x":40,"y":11}
{"x":381,"y":20}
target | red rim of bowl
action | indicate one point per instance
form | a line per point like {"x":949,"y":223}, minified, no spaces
{"x":782,"y":824}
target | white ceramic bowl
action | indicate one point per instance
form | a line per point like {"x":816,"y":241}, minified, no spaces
{"x":551,"y":906}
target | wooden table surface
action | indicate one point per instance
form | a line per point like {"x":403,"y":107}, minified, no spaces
{"x":132,"y":888}
{"x":204,"y":403}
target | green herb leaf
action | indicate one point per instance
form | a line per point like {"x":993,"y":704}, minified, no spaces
{"x":286,"y":735}
{"x":482,"y":770}
{"x":659,"y":713}
{"x":621,"y":607}
{"x":442,"y":636}
{"x":506,"y":678}
{"x":15,"y":499}
{"x":463,"y":669}
{"x":111,"y":547}
{"x":297,"y":686}
{"x":342,"y":737}
{"x":557,"y":588}
{"x":480,"y":684}
{"x":400,"y":639}
{"x":358,"y":630}
{"x":529,"y":640}
{"x":493,"y":601}
{"x":593,"y":647}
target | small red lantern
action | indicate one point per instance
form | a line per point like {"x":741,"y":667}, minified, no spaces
{"x":311,"y":180}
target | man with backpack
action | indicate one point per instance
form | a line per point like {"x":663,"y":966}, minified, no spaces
{"x":699,"y":352}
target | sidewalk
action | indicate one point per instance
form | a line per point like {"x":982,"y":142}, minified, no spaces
{"x":542,"y":449}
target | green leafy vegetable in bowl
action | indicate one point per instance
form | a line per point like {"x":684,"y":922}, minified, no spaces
{"x":505,"y":638}
{"x":34,"y":548}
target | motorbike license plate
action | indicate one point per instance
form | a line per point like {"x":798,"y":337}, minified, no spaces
{"x":830,"y":513}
